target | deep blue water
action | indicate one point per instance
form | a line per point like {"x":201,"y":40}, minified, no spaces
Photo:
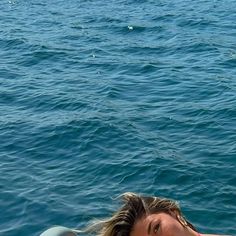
{"x":102,"y":97}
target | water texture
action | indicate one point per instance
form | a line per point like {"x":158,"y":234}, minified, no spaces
{"x":102,"y":97}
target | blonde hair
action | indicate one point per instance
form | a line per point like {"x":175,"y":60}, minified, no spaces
{"x":134,"y":208}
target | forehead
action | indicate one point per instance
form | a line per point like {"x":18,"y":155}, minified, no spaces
{"x":151,"y":217}
{"x":154,"y":216}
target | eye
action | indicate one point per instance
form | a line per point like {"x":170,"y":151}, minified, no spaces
{"x":156,"y":228}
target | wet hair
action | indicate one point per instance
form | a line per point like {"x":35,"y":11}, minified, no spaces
{"x":134,"y":208}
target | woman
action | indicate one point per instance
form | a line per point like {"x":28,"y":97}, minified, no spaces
{"x":139,"y":216}
{"x":148,"y":216}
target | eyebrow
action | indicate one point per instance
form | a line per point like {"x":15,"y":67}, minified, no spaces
{"x":149,"y":227}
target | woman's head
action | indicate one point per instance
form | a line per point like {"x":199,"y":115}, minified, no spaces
{"x":140,"y":215}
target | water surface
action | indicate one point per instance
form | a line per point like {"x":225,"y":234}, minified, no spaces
{"x":102,"y":97}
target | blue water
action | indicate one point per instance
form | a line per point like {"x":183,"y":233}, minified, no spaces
{"x":102,"y":97}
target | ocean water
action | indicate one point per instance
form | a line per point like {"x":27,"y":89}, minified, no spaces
{"x":98,"y":98}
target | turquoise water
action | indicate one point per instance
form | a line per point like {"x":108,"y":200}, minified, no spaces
{"x":102,"y":97}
